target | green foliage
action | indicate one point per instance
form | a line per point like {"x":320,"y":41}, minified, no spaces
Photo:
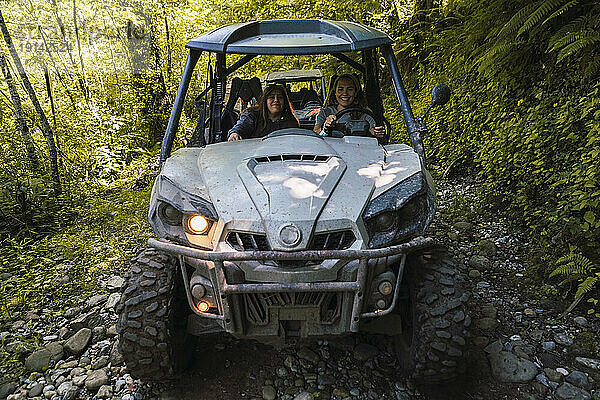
{"x":522,"y":120}
{"x":577,"y":268}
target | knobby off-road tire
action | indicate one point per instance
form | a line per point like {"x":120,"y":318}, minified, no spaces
{"x":153,"y":318}
{"x":432,"y":345}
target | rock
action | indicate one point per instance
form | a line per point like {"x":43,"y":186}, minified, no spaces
{"x":536,"y":335}
{"x":364,"y":351}
{"x":114,"y":283}
{"x":589,"y":363}
{"x":56,"y":351}
{"x":548,"y":346}
{"x":463,"y":227}
{"x":32,"y":315}
{"x":487,"y":247}
{"x":506,"y":367}
{"x":480,"y":341}
{"x":60,"y":280}
{"x":112,"y":301}
{"x":38,"y":360}
{"x":489,"y":311}
{"x":553,"y":375}
{"x":72,"y":312}
{"x":303,"y":396}
{"x":480,"y":263}
{"x":18,"y":324}
{"x":67,"y":390}
{"x":105,"y":392}
{"x":581,"y":321}
{"x":494,"y":347}
{"x":95,"y":379}
{"x":341,"y":393}
{"x":116,"y":358}
{"x":486,"y":324}
{"x":529,"y":312}
{"x":549,"y":360}
{"x":562,"y":371}
{"x":307,"y":354}
{"x":78,"y":342}
{"x":7,"y":389}
{"x":566,"y":391}
{"x":473,"y":273}
{"x":100,"y":362}
{"x":269,"y":393}
{"x":578,"y":379}
{"x":112,"y":330}
{"x":96,"y":300}
{"x":36,"y":390}
{"x":563,"y":339}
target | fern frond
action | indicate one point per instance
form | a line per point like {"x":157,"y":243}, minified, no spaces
{"x":568,"y":39}
{"x":576,"y":25}
{"x":587,"y":285}
{"x":577,"y":46}
{"x":592,"y":67}
{"x":517,"y":20}
{"x":540,"y":13}
{"x":561,"y":11}
{"x":492,"y":56}
{"x":573,"y":264}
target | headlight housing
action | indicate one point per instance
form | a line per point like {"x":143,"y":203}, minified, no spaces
{"x":181,"y":216}
{"x":400,"y":213}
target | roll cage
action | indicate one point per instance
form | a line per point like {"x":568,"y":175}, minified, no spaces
{"x":287,"y":37}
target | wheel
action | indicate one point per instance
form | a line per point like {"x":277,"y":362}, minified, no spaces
{"x":153,"y":318}
{"x":431,"y":347}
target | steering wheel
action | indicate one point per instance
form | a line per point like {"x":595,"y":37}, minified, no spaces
{"x":336,"y":126}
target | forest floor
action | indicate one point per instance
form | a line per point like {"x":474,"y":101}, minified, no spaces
{"x":518,"y":349}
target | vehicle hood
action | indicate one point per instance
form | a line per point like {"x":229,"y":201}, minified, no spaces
{"x":316,"y":184}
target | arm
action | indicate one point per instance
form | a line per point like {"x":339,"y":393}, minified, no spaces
{"x":323,"y":120}
{"x":243,"y":128}
{"x":377,"y":131}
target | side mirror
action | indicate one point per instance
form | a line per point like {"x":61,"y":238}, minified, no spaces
{"x":440,"y":95}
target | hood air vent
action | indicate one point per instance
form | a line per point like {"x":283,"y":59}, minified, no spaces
{"x":293,"y":157}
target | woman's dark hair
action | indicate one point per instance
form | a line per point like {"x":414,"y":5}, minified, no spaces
{"x":359,"y":98}
{"x":261,"y":107}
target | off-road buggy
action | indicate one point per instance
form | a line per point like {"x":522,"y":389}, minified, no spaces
{"x":294,"y":235}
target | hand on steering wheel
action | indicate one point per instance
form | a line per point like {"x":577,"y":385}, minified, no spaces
{"x":377,"y":131}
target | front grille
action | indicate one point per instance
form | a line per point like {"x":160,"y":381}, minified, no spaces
{"x":244,"y":241}
{"x":340,"y":240}
{"x":257,"y":305}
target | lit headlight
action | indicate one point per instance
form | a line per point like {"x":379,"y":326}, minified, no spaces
{"x":403,"y":211}
{"x":197,"y":224}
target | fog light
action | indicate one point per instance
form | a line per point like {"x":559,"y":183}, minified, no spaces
{"x":385,"y":288}
{"x":203,"y":306}
{"x":381,"y":304}
{"x":198,"y":291}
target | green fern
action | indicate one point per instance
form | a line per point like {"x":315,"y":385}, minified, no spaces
{"x":561,"y":11}
{"x":516,"y":22}
{"x":577,"y":267}
{"x":587,"y":41}
{"x":545,"y":8}
{"x":592,"y":67}
{"x":573,"y":264}
{"x":587,"y":285}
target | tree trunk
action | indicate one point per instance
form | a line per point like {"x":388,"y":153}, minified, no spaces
{"x":49,"y":93}
{"x":16,"y":101}
{"x":52,"y":153}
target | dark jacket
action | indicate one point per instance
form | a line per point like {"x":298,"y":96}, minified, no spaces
{"x":248,"y":126}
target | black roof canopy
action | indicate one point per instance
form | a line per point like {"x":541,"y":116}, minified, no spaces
{"x":286,"y":37}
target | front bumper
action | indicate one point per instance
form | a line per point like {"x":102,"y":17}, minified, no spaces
{"x":224,"y":291}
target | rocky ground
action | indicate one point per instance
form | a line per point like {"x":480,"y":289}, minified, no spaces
{"x":519,"y":349}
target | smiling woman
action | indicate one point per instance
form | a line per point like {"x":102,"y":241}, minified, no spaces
{"x":273,"y":112}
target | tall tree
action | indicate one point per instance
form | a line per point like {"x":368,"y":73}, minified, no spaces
{"x":16,"y":101}
{"x":52,"y":153}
